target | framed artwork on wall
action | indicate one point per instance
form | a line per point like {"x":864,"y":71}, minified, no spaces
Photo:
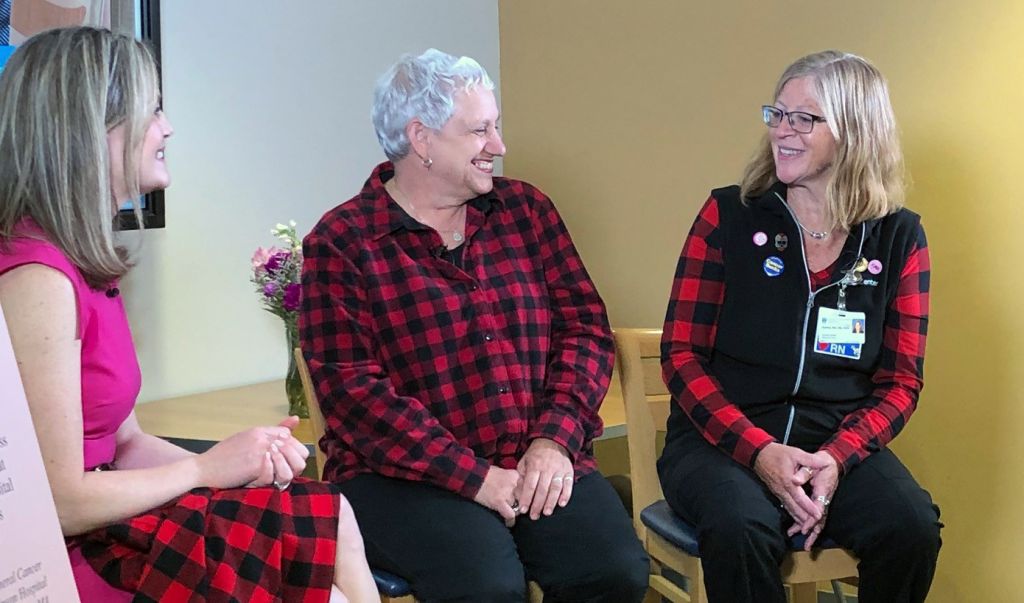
{"x":143,"y":18}
{"x":21,"y":19}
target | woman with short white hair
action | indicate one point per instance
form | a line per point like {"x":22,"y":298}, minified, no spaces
{"x":461,"y":352}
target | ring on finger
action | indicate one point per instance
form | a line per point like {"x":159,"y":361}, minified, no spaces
{"x":515,"y":504}
{"x":557,"y":478}
{"x":567,"y":477}
{"x":823,"y":500}
{"x":808,"y":470}
{"x":281,"y":486}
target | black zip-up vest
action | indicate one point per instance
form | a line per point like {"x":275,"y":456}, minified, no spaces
{"x":763,"y":354}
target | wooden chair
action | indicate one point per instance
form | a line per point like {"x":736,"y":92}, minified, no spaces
{"x":392,"y":588}
{"x":670,"y":541}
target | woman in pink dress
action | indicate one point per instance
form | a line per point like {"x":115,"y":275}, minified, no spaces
{"x":82,"y":131}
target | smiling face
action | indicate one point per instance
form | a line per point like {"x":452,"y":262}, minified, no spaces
{"x":153,"y":173}
{"x":802,"y":159}
{"x":463,"y":150}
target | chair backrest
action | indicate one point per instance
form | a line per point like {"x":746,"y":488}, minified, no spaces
{"x":316,"y":416}
{"x":647,"y":403}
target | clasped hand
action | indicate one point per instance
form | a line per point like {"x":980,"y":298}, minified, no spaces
{"x":256,"y":457}
{"x":542,"y":479}
{"x":786,"y":471}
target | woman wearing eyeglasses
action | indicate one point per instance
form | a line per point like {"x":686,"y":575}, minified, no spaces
{"x":786,"y":432}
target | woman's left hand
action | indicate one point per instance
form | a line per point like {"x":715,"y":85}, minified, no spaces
{"x":547,"y":478}
{"x":823,"y":482}
{"x":286,"y":458}
{"x":293,"y":451}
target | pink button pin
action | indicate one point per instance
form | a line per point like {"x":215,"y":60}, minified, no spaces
{"x":874,"y":266}
{"x":760,"y":238}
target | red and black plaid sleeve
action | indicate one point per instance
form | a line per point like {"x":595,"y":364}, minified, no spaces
{"x":580,"y":364}
{"x":688,"y":339}
{"x":900,"y":374}
{"x":393,"y":434}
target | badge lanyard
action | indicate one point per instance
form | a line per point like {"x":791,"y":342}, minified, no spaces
{"x":853,"y":276}
{"x":841,"y":332}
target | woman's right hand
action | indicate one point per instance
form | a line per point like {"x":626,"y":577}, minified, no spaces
{"x":500,"y":492}
{"x":255,"y":457}
{"x":778,"y":466}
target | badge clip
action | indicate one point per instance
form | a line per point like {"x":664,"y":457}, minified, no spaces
{"x":851,"y":278}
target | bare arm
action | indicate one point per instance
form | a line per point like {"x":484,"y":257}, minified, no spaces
{"x":39,"y":304}
{"x":137,"y":449}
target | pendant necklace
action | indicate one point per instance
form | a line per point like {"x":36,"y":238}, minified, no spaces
{"x":455,"y":233}
{"x":814,"y":234}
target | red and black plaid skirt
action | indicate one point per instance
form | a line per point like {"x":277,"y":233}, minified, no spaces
{"x":209,"y":546}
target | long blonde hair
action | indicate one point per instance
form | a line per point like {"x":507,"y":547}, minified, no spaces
{"x":867,"y":179}
{"x":61,"y":93}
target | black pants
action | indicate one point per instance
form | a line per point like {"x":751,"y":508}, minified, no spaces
{"x":450,"y":548}
{"x":878,"y":511}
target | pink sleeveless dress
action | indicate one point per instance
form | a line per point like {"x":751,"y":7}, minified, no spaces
{"x":203,"y":546}
{"x":110,"y":378}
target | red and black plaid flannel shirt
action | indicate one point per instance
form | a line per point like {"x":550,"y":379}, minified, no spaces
{"x":430,"y":372}
{"x":697,"y":294}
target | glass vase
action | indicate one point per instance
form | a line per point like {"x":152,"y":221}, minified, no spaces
{"x":297,"y":404}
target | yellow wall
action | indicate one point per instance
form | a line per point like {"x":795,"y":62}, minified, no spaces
{"x":628,"y":112}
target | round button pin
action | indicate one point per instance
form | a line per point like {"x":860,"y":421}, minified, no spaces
{"x":874,"y":266}
{"x":773,"y":266}
{"x":781,"y":241}
{"x":760,"y":238}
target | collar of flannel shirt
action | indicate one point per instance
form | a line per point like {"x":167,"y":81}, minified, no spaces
{"x":391,"y":217}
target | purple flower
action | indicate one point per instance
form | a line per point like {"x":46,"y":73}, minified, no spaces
{"x":276,"y":261}
{"x":270,"y":289}
{"x":292,"y":294}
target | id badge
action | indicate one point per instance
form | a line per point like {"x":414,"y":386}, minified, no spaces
{"x":839,"y":333}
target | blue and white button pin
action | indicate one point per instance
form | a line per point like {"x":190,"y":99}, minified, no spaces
{"x":773,"y":266}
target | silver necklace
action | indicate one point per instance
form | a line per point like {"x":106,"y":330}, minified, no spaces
{"x":813,"y":233}
{"x":456,"y":233}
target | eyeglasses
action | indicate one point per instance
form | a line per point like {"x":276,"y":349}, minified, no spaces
{"x":800,"y":121}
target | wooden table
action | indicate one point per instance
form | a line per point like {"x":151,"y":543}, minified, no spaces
{"x":198,"y":421}
{"x":213,"y":416}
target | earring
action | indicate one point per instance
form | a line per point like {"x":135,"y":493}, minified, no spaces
{"x":428,"y":162}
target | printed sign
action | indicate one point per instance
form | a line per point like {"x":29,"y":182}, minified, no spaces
{"x":34,"y":565}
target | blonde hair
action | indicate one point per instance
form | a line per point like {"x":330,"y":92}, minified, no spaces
{"x":61,"y":93}
{"x":867,"y":179}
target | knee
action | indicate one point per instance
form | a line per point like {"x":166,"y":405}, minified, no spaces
{"x":483,"y":583}
{"x":903,"y":533}
{"x":627,"y":579}
{"x":472,"y":578}
{"x":350,"y":540}
{"x":731,"y":530}
{"x":914,"y":533}
{"x":616,"y":577}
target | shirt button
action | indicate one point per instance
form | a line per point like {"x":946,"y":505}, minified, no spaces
{"x":472,"y":287}
{"x":502,"y":390}
{"x":488,"y":338}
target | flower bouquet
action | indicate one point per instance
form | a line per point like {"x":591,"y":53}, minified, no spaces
{"x":275,"y":274}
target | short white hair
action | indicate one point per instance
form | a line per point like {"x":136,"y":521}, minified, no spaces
{"x":421,"y":87}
